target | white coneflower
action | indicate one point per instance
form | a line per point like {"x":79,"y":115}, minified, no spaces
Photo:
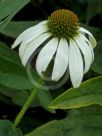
{"x":71,"y":45}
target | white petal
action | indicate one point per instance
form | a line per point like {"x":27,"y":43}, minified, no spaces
{"x":86,"y":51}
{"x":75,"y":64}
{"x":26,"y":32}
{"x":45,"y":55}
{"x":27,"y":40}
{"x":42,"y":28}
{"x":87,"y":41}
{"x":91,"y":37}
{"x":31,"y":47}
{"x":61,"y":60}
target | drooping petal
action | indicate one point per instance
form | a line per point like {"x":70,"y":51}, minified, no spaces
{"x":86,"y":51}
{"x":91,"y":37}
{"x":46,"y":55}
{"x":87,"y":41}
{"x":27,"y":40}
{"x":27,"y":32}
{"x":31,"y":47}
{"x":75,"y":64}
{"x":61,"y":60}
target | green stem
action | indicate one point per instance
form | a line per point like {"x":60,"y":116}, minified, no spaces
{"x":25,"y":107}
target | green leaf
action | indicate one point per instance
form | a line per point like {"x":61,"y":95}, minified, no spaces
{"x":9,"y":67}
{"x":8,"y":8}
{"x":7,"y":54}
{"x":5,"y":99}
{"x":50,"y":129}
{"x":7,"y":93}
{"x":17,"y":99}
{"x":45,"y":99}
{"x":7,"y":129}
{"x":14,"y":28}
{"x":90,"y":92}
{"x":81,"y":122}
{"x":10,"y":61}
{"x":13,"y":74}
{"x":97,"y":64}
{"x":14,"y":81}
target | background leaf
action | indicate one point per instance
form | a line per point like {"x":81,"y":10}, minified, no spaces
{"x":9,"y":8}
{"x":12,"y":71}
{"x":90,"y":92}
{"x":45,"y":99}
{"x":14,"y":81}
{"x":7,"y":54}
{"x":80,"y":122}
{"x":7,"y":129}
{"x":17,"y":98}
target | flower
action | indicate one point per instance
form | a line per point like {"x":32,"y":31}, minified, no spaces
{"x":71,"y":45}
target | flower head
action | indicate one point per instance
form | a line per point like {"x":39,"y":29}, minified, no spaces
{"x":63,"y":23}
{"x":71,"y":45}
